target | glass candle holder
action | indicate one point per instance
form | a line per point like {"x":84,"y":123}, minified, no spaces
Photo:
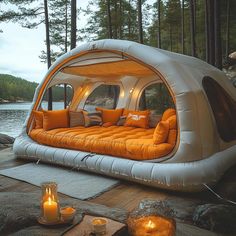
{"x":141,"y":223}
{"x":50,"y":208}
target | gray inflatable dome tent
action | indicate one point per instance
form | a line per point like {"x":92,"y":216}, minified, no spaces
{"x":205,"y":103}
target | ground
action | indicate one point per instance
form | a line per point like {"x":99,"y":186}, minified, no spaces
{"x":203,"y":209}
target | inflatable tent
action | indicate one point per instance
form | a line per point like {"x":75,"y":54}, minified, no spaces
{"x":204,"y":99}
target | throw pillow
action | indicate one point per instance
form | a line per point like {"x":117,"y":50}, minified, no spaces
{"x":161,"y":132}
{"x":112,"y":115}
{"x":76,"y":118}
{"x":55,"y":119}
{"x":92,"y":118}
{"x":137,"y":119}
{"x":38,"y":118}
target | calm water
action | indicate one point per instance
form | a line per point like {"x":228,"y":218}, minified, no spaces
{"x":12,"y":116}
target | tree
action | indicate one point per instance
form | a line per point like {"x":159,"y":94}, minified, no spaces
{"x":159,"y":24}
{"x":227,"y":29}
{"x":193,"y":26}
{"x":182,"y":25}
{"x":140,"y":23}
{"x":110,"y":35}
{"x":173,"y":16}
{"x":73,"y":24}
{"x":217,"y":35}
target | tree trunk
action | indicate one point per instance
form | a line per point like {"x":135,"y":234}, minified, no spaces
{"x":182,"y":28}
{"x":66,"y":26}
{"x":192,"y":27}
{"x":115,"y":32}
{"x":140,"y":24}
{"x":120,"y":19}
{"x":171,"y":38}
{"x":217,"y":35}
{"x":227,"y":29}
{"x":48,"y":50}
{"x":159,"y":24}
{"x":211,"y":39}
{"x":109,"y":19}
{"x":73,"y":24}
{"x":207,"y":33}
{"x":129,"y":21}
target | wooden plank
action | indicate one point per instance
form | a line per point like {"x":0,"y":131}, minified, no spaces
{"x":127,"y":195}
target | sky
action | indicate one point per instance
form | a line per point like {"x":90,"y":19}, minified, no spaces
{"x":20,"y":49}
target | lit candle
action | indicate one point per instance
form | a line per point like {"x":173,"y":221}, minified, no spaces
{"x":50,"y":210}
{"x":67,"y":213}
{"x":150,"y":226}
{"x":99,"y":225}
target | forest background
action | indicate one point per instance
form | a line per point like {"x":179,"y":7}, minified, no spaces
{"x":201,"y":28}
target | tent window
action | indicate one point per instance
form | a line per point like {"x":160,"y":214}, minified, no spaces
{"x":62,"y":95}
{"x":105,"y":96}
{"x":156,"y":98}
{"x":223,"y":107}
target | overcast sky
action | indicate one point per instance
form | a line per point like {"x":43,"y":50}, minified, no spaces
{"x":20,"y":49}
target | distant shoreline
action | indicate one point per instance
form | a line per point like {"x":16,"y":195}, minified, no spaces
{"x":3,"y":101}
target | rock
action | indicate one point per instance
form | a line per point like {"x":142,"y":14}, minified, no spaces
{"x":19,"y":213}
{"x":5,"y":139}
{"x":219,"y":218}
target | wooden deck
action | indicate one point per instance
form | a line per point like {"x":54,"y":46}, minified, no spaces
{"x":127,"y":195}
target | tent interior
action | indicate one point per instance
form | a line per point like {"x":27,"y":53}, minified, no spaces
{"x":129,"y":78}
{"x":111,"y":80}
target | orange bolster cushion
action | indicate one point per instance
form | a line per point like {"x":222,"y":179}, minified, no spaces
{"x":38,"y":117}
{"x":137,"y":119}
{"x":168,"y":113}
{"x":161,"y":132}
{"x":55,"y":119}
{"x":112,"y":115}
{"x":172,"y":122}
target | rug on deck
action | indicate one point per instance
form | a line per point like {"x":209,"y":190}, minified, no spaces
{"x":76,"y":184}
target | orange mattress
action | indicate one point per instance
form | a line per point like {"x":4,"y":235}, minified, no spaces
{"x":128,"y":142}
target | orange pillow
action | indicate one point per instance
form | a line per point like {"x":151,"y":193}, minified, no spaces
{"x":110,"y":115}
{"x":137,"y":119}
{"x":172,"y":122}
{"x":108,"y":124}
{"x":161,"y":132}
{"x":168,"y":113}
{"x":55,"y":119}
{"x":38,"y":117}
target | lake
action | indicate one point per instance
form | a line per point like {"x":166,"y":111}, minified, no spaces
{"x":13,"y":115}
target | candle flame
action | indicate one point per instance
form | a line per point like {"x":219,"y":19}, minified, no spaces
{"x":150,"y":224}
{"x":49,"y":200}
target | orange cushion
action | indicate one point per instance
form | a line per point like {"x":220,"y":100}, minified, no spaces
{"x":108,"y":124}
{"x":168,"y":113}
{"x":128,"y":142}
{"x":172,"y":122}
{"x":137,"y":119}
{"x":38,"y":117}
{"x":172,"y":137}
{"x":112,"y":115}
{"x":161,"y":132}
{"x":55,"y":119}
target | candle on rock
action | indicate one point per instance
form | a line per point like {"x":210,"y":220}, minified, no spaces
{"x":50,"y":209}
{"x":150,"y":226}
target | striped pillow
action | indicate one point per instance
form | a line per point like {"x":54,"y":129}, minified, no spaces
{"x":76,"y":118}
{"x":92,"y":118}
